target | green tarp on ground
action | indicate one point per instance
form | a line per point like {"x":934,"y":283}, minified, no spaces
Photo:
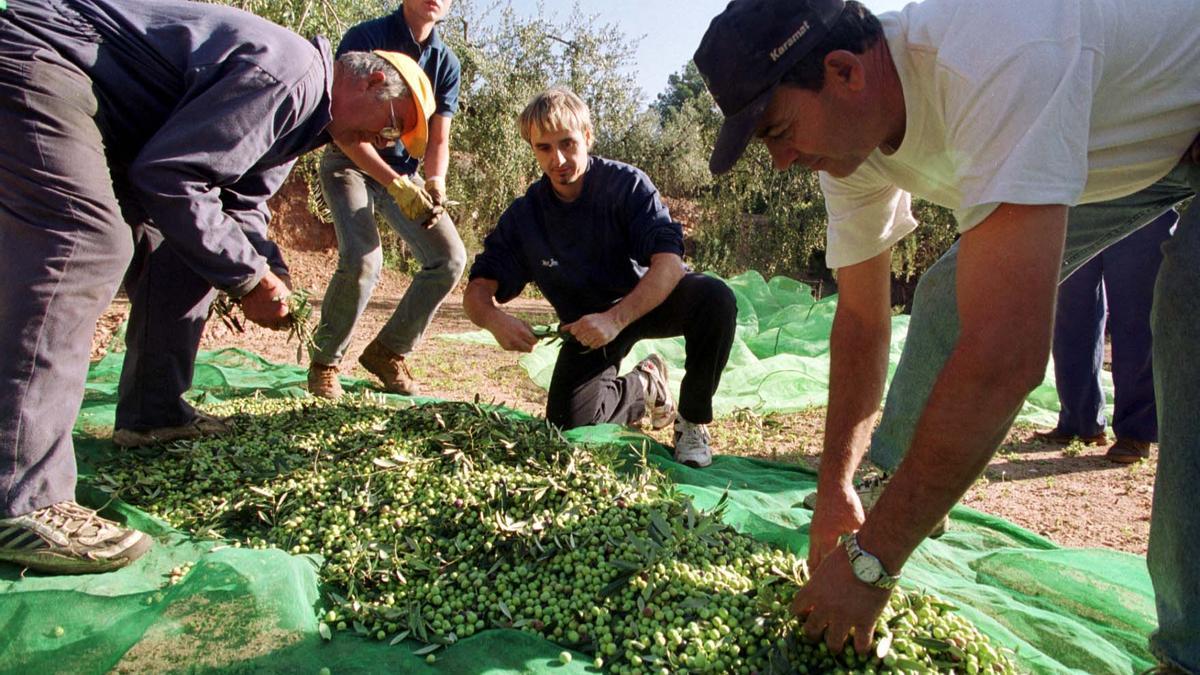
{"x":255,"y":611}
{"x":780,"y":356}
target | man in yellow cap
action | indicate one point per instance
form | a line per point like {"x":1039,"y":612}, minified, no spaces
{"x":376,"y":98}
{"x":367,"y":177}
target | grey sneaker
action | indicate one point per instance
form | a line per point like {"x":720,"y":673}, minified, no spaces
{"x":323,"y":381}
{"x":868,"y":491}
{"x":389,"y":368}
{"x":658,"y":393}
{"x":691,"y":444}
{"x":202,"y":424}
{"x":66,"y":538}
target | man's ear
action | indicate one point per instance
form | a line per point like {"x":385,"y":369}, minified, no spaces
{"x":588,"y":140}
{"x":846,"y":69}
{"x":376,"y":79}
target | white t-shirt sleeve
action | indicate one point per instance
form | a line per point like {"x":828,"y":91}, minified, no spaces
{"x":867,"y":215}
{"x":1019,"y":129}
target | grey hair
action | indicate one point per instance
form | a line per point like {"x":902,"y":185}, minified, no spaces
{"x":362,"y":64}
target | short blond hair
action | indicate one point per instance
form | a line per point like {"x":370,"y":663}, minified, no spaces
{"x":555,"y":108}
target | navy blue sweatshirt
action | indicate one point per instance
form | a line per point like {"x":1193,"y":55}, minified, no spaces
{"x":584,"y":255}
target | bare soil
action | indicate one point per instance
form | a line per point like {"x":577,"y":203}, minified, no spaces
{"x":1075,"y":498}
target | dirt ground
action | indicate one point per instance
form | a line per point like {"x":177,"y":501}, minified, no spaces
{"x":1075,"y":498}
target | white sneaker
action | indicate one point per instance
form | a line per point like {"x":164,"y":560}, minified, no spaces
{"x":691,"y":444}
{"x":66,"y":538}
{"x":659,"y":402}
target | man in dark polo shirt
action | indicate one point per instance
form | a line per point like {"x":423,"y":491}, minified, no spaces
{"x":358,"y":180}
{"x":598,"y":242}
{"x":122,"y":114}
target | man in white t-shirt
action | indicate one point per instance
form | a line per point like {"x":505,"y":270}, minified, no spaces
{"x":1052,"y":129}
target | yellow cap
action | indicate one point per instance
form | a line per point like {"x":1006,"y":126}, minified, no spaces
{"x":422,"y":96}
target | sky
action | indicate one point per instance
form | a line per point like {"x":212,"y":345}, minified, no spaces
{"x":670,"y":30}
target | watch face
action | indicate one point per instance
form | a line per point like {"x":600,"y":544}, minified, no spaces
{"x":867,"y":568}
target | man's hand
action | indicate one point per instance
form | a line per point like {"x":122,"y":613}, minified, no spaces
{"x":414,"y":202}
{"x":837,"y":512}
{"x":594,"y":330}
{"x":436,"y":187}
{"x":266,"y":304}
{"x":513,"y":334}
{"x":834,"y":601}
{"x":286,"y":279}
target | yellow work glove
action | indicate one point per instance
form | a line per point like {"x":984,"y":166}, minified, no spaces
{"x":436,"y":187}
{"x":414,"y":203}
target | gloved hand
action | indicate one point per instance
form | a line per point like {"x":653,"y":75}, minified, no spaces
{"x":414,"y":202}
{"x":436,"y":187}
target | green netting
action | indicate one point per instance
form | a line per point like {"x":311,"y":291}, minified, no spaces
{"x":244,"y":610}
{"x":780,"y":356}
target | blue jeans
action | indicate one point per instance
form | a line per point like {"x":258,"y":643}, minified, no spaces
{"x":1174,"y":556}
{"x":353,"y":198}
{"x":1116,"y":288}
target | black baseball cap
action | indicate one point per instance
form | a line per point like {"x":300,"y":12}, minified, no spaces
{"x":746,"y":51}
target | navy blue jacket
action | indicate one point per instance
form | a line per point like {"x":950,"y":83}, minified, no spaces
{"x":584,"y":255}
{"x":203,"y":109}
{"x":391,"y":33}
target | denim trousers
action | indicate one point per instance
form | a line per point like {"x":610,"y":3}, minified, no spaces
{"x":353,"y":198}
{"x":1114,"y":290}
{"x":1174,"y":552}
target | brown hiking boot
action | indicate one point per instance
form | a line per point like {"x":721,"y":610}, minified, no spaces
{"x":202,"y":424}
{"x":389,"y":368}
{"x":66,"y":538}
{"x":323,"y":381}
{"x":1056,"y":437}
{"x":1128,"y":451}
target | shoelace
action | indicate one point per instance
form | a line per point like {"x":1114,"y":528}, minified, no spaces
{"x":69,"y":517}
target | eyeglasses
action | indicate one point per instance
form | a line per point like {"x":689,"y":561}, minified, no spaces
{"x":392,"y":133}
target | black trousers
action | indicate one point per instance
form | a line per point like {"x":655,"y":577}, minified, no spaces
{"x":585,"y":388}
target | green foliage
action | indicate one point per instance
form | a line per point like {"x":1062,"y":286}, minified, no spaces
{"x":316,"y":17}
{"x":762,"y":219}
{"x":683,"y":87}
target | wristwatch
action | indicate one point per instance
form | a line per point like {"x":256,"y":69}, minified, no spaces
{"x":867,"y":567}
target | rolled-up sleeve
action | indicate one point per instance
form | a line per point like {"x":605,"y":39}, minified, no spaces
{"x":499,"y":261}
{"x":651,"y":229}
{"x":214,"y":141}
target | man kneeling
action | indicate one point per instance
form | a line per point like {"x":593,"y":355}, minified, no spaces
{"x":595,"y":238}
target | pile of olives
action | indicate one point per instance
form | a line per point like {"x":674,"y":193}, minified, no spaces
{"x":438,"y":521}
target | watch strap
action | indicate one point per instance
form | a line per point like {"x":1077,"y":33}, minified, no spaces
{"x":854,"y":551}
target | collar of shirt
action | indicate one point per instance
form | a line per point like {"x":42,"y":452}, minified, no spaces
{"x":413,"y":47}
